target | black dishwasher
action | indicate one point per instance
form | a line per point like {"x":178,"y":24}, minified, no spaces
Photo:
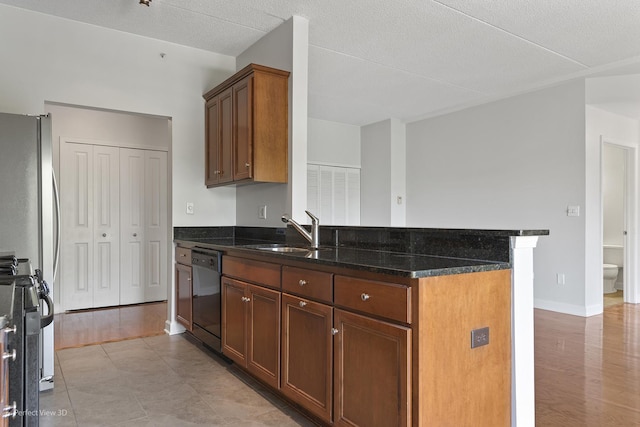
{"x":206,"y":267}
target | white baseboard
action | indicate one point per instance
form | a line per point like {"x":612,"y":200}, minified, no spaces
{"x":173,"y":328}
{"x":575,"y":310}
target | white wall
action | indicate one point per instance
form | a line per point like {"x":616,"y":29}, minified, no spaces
{"x":63,"y":61}
{"x":375,"y":176}
{"x":515,"y":163}
{"x":122,"y":129}
{"x":285,"y":48}
{"x":333,"y":143}
{"x":383,"y":177}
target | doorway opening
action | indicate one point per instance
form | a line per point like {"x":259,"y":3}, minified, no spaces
{"x":114,"y":240}
{"x":618,"y":227}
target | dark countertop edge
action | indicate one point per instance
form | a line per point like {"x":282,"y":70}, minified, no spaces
{"x":413,"y":274}
{"x":467,"y":231}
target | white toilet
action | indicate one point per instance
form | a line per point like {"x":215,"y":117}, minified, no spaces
{"x":613,"y":256}
{"x":610,"y":272}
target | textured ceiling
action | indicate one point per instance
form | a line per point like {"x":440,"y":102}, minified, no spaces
{"x":374,"y":59}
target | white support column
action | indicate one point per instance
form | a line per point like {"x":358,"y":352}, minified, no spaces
{"x":523,"y":408}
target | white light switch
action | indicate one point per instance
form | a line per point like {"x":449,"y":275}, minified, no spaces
{"x":573,"y":210}
{"x":189,"y":208}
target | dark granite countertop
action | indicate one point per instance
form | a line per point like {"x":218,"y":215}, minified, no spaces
{"x":391,"y":263}
{"x":398,"y":251}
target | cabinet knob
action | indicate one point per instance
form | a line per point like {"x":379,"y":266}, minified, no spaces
{"x":9,"y":355}
{"x":246,"y":165}
{"x":302,"y":282}
{"x":302,"y":303}
{"x":216,"y":172}
{"x":334,"y":331}
{"x":245,"y":299}
{"x":104,"y":234}
{"x":135,"y":234}
{"x":188,"y":279}
{"x":364,"y":297}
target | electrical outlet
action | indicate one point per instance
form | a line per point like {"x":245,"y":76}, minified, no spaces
{"x":190,"y":208}
{"x":262,"y":212}
{"x":479,"y":337}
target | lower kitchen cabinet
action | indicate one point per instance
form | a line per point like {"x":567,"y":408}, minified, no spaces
{"x":184,"y":290}
{"x":251,"y":328}
{"x":307,"y":354}
{"x":372,"y":377}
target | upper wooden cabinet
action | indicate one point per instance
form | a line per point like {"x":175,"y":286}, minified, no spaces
{"x":247,"y":128}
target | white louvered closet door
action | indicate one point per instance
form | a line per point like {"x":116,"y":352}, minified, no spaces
{"x":333,"y":193}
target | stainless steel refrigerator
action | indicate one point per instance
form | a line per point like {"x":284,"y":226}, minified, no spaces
{"x":28,"y":206}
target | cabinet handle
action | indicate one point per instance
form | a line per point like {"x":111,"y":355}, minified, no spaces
{"x":334,"y":331}
{"x":104,"y":234}
{"x":188,"y":279}
{"x":364,"y":297}
{"x":183,"y":255}
{"x":245,"y":299}
{"x":302,"y":282}
{"x":216,"y":172}
{"x":302,"y":303}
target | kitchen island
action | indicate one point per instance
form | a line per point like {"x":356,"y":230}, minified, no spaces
{"x":432,"y":308}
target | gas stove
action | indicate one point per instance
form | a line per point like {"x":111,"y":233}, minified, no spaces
{"x":21,"y":336}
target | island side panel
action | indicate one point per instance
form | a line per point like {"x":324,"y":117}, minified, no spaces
{"x":453,"y":383}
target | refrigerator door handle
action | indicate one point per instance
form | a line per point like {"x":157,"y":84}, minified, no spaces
{"x":56,"y":198}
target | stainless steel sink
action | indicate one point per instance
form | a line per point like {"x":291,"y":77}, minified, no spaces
{"x":287,"y":249}
{"x":283,"y":248}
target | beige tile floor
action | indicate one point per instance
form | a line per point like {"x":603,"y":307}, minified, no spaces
{"x":157,"y":381}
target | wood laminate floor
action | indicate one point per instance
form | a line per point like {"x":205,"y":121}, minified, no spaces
{"x":587,"y":373}
{"x":87,"y":327}
{"x":587,"y":370}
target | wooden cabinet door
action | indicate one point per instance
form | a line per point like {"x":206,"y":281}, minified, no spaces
{"x":307,"y":354}
{"x":263,"y":335}
{"x":372,"y":372}
{"x":212,"y":141}
{"x":225,"y":123}
{"x":219,"y":139}
{"x":184,"y":291}
{"x":234,"y":320}
{"x":243,"y":121}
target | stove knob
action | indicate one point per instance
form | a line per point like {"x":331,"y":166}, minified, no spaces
{"x":10,"y":355}
{"x":10,"y":411}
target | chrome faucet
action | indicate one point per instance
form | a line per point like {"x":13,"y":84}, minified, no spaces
{"x":314,"y":236}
